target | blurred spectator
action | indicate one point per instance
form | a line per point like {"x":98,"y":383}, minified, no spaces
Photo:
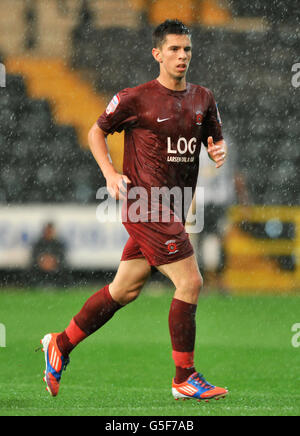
{"x":49,"y":258}
{"x":82,"y":35}
{"x":31,"y":25}
{"x":86,"y":15}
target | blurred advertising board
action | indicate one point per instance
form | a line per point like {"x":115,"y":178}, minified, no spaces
{"x":91,"y":244}
{"x":262,"y":248}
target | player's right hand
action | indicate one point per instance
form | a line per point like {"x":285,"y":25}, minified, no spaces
{"x":117,"y":186}
{"x":217,"y":151}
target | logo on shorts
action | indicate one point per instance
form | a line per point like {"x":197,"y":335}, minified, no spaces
{"x":172,"y":247}
{"x":113,"y":105}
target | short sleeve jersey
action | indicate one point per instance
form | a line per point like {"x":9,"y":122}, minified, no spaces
{"x":164,"y":130}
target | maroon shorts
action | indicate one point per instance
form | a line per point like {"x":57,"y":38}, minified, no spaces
{"x":159,"y":243}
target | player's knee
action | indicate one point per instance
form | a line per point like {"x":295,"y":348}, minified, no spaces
{"x":196,"y":284}
{"x":190,"y":287}
{"x":125,"y":294}
{"x":131,"y":296}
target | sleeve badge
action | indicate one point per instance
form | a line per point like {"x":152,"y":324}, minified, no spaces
{"x":113,"y":105}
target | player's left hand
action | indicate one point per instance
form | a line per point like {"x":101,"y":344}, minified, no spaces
{"x":217,"y":151}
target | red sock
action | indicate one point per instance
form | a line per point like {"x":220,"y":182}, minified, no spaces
{"x":98,"y":309}
{"x":182,"y":324}
{"x":70,"y":338}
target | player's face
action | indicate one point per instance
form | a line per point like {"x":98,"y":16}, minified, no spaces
{"x":175,"y":55}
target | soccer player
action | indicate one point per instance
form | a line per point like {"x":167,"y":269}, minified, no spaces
{"x":165,"y":122}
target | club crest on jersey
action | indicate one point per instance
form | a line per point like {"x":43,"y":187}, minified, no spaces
{"x":113,"y":105}
{"x":172,"y":247}
{"x":199,"y":118}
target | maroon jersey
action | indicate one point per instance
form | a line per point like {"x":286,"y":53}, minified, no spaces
{"x":164,"y":130}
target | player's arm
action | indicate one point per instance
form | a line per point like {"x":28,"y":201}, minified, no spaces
{"x":99,"y":148}
{"x":217,"y":151}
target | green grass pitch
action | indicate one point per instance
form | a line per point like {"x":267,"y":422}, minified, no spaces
{"x":125,"y":369}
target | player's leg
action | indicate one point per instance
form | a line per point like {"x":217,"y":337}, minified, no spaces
{"x":101,"y":306}
{"x":188,"y":282}
{"x":129,"y":280}
{"x":186,"y":278}
{"x":97,"y":311}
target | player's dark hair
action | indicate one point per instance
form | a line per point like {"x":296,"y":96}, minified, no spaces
{"x":169,"y":27}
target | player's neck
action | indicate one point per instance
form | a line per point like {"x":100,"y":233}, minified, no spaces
{"x":173,"y":84}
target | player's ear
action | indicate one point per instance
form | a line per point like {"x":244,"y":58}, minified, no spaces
{"x":156,"y":53}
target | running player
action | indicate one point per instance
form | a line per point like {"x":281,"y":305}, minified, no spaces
{"x":165,"y":122}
